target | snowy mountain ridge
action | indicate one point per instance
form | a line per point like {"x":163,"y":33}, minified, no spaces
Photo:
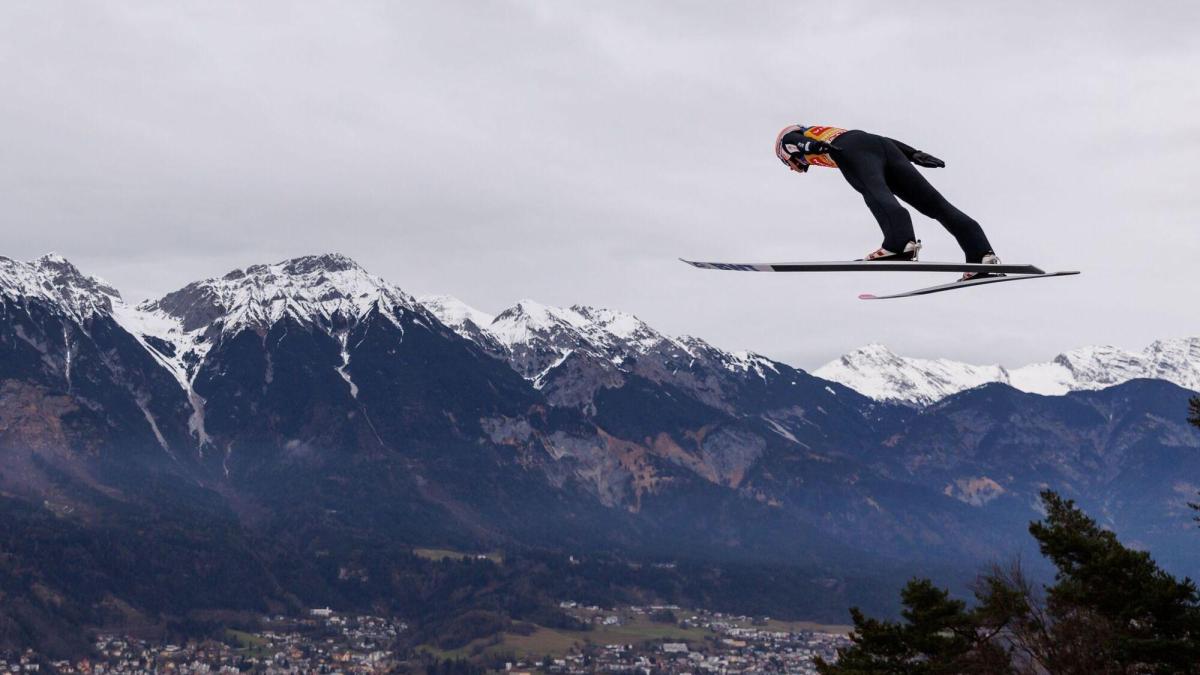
{"x":179,"y":329}
{"x":537,"y":338}
{"x":55,"y":280}
{"x":877,"y":372}
{"x":308,"y":288}
{"x":334,"y":292}
{"x":330,"y":290}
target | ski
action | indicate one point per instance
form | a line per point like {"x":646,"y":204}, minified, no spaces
{"x":964,"y":284}
{"x":865,"y":266}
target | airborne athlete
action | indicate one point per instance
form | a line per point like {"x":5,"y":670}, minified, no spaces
{"x":881,"y":170}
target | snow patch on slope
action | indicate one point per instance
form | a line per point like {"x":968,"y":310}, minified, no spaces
{"x":179,"y":351}
{"x":343,"y":338}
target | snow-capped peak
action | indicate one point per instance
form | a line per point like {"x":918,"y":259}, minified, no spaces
{"x":750,"y":361}
{"x":529,"y":318}
{"x":1175,"y":360}
{"x":879,"y":373}
{"x":308,"y":289}
{"x":54,"y":258}
{"x":52,"y":278}
{"x":454,"y":312}
{"x":329,"y":290}
{"x":622,"y":326}
{"x":604,"y":331}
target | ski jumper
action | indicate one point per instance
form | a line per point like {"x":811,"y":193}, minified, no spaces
{"x":880,"y":170}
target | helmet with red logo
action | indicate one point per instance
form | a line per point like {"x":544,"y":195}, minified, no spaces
{"x":789,"y":147}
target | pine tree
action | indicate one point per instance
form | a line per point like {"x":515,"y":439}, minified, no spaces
{"x":937,"y":635}
{"x":1118,"y":599}
{"x":1111,"y":609}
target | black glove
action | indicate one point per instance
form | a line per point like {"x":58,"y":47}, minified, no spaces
{"x":917,"y":157}
{"x":927,"y":160}
{"x":811,"y":147}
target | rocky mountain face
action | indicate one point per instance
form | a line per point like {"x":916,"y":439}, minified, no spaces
{"x":280,"y":434}
{"x":986,"y":437}
{"x":76,"y":386}
{"x":1119,"y":452}
{"x":310,"y":375}
{"x":883,"y":375}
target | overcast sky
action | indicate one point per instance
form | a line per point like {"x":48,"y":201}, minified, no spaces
{"x":570,"y":151}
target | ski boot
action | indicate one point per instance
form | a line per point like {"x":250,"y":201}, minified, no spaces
{"x":989,"y":258}
{"x":911,"y":249}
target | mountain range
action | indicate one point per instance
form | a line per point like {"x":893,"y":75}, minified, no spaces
{"x":877,"y":372}
{"x":286,"y":434}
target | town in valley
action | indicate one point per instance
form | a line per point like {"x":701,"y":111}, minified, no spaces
{"x":636,"y":639}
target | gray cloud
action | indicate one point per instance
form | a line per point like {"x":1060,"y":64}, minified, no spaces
{"x":570,"y":151}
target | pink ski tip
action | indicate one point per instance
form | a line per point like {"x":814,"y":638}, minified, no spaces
{"x":867,"y":296}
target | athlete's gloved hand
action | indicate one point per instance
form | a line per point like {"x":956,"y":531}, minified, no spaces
{"x":927,"y":160}
{"x":811,"y":147}
{"x":808,"y":146}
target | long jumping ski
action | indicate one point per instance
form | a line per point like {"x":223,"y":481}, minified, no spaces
{"x":955,"y":285}
{"x":866,"y":266}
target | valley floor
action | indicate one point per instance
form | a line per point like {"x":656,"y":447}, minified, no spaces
{"x":664,"y":638}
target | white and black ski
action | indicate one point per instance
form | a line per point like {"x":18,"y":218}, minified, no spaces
{"x":964,"y":284}
{"x":867,"y":266}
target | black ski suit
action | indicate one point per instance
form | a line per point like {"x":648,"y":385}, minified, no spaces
{"x":880,"y":169}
